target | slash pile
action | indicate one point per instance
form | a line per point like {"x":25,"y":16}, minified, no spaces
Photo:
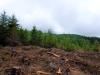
{"x":32,"y":60}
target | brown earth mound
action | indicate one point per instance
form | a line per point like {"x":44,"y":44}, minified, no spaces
{"x":29,"y":60}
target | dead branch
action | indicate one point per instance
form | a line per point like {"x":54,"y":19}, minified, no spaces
{"x":54,"y":54}
{"x":41,"y":72}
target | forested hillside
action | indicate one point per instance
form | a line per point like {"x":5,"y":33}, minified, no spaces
{"x":12,"y":34}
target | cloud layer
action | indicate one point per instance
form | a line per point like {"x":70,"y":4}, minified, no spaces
{"x":62,"y":16}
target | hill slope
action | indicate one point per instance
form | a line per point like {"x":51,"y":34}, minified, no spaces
{"x":73,"y":42}
{"x":29,"y":60}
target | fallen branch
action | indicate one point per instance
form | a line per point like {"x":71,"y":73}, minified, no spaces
{"x":54,"y":54}
{"x":41,"y":72}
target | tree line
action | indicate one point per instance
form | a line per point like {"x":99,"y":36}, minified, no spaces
{"x":12,"y":34}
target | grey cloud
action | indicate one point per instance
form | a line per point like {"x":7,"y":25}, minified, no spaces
{"x":62,"y":16}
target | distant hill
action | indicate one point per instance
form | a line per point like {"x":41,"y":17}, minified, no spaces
{"x":92,"y":39}
{"x":71,"y":42}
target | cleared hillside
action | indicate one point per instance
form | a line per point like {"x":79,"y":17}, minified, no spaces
{"x":32,"y":60}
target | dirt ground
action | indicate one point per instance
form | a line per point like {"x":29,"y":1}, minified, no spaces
{"x":32,"y":60}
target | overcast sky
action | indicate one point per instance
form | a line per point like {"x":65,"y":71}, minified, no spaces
{"x":62,"y":16}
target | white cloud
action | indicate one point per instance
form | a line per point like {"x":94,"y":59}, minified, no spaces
{"x":4,"y":2}
{"x":89,"y":6}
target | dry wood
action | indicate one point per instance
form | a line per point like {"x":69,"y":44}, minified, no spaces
{"x":54,"y":54}
{"x":41,"y":72}
{"x":59,"y":71}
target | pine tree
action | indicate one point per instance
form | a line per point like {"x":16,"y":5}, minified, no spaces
{"x":50,"y":39}
{"x":24,"y":36}
{"x":3,"y":28}
{"x":36,"y":37}
{"x":13,"y":30}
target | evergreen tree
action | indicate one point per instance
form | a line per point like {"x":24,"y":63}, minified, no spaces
{"x":50,"y":39}
{"x":24,"y":36}
{"x":36,"y":37}
{"x":3,"y":28}
{"x":13,"y":30}
{"x":97,"y":46}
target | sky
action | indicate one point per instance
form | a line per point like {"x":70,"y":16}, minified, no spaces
{"x":80,"y":17}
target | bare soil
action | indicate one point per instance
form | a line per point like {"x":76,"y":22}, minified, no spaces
{"x":32,"y":60}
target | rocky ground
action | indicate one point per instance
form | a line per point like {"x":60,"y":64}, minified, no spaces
{"x":30,"y":60}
